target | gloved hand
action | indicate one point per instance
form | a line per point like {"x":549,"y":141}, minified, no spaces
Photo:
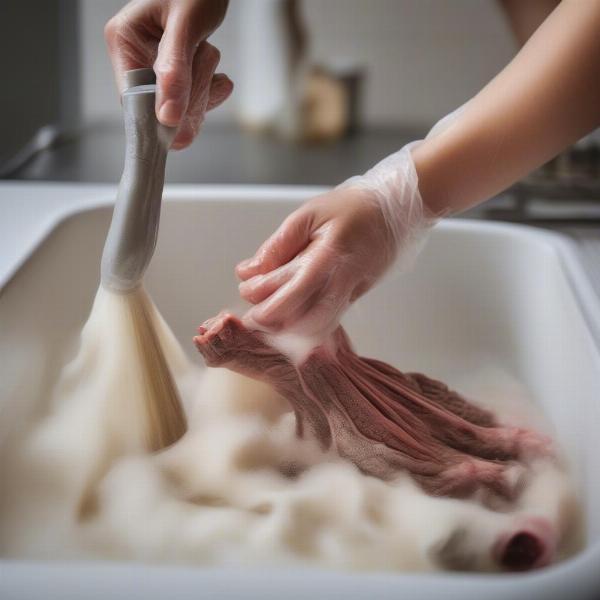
{"x":334,"y":248}
{"x":171,"y":36}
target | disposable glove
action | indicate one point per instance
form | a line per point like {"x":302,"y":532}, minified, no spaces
{"x":334,"y":248}
{"x":170,"y":35}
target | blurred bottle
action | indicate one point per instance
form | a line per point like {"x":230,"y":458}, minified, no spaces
{"x":280,"y":91}
{"x":272,"y":56}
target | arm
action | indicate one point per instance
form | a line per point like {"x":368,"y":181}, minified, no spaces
{"x":544,"y":100}
{"x":335,"y":247}
{"x":525,"y":17}
{"x":170,"y":35}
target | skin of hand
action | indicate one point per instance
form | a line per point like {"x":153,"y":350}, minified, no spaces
{"x":546,"y":98}
{"x":170,"y":35}
{"x":323,"y":256}
{"x":332,"y":249}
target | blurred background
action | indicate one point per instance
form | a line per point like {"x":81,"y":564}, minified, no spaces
{"x":408,"y":62}
{"x":324,"y":89}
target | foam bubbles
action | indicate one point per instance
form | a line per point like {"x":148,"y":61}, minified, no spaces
{"x":95,"y":475}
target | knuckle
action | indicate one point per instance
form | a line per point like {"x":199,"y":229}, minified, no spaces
{"x":172,"y":84}
{"x":213,"y":53}
{"x":170,"y":71}
{"x":112,"y":28}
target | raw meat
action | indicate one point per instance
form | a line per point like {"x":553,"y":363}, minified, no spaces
{"x":379,"y":418}
{"x":386,"y":421}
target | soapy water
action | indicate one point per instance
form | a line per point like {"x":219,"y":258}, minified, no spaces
{"x":238,"y":487}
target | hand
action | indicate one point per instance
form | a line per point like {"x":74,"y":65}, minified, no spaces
{"x":324,"y":256}
{"x":333,"y":249}
{"x":171,"y":36}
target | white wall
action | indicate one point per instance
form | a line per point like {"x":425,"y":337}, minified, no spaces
{"x":424,"y":57}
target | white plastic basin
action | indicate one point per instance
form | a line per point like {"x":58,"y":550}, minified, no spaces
{"x":480,"y":294}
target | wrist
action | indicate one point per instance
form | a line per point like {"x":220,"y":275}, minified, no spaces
{"x":393,"y":185}
{"x":435,"y":198}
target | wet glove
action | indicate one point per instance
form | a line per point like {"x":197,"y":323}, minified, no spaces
{"x":334,"y":248}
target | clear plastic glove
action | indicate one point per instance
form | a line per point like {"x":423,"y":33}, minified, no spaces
{"x":170,"y":35}
{"x":334,"y":248}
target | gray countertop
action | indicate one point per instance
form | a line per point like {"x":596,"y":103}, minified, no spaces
{"x":221,"y":154}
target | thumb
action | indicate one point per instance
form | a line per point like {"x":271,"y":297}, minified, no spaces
{"x":173,"y":68}
{"x":289,"y":240}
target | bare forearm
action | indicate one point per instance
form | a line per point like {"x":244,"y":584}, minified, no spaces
{"x":544,"y":100}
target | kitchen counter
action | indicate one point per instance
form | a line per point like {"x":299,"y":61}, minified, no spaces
{"x":222,"y":155}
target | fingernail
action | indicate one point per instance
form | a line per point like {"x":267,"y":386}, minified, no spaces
{"x":170,"y":113}
{"x":249,"y":263}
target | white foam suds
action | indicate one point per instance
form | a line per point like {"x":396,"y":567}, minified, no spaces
{"x":237,"y":488}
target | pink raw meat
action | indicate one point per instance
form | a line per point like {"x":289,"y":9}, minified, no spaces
{"x":381,"y":419}
{"x":386,"y":421}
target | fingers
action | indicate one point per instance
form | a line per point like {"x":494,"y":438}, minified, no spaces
{"x":283,"y":307}
{"x":173,"y":68}
{"x":129,"y":41}
{"x":293,"y":299}
{"x":204,"y":64}
{"x":321,"y":258}
{"x":258,"y":288}
{"x":171,"y":36}
{"x":220,"y":89}
{"x":290,"y":239}
{"x":309,"y":294}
